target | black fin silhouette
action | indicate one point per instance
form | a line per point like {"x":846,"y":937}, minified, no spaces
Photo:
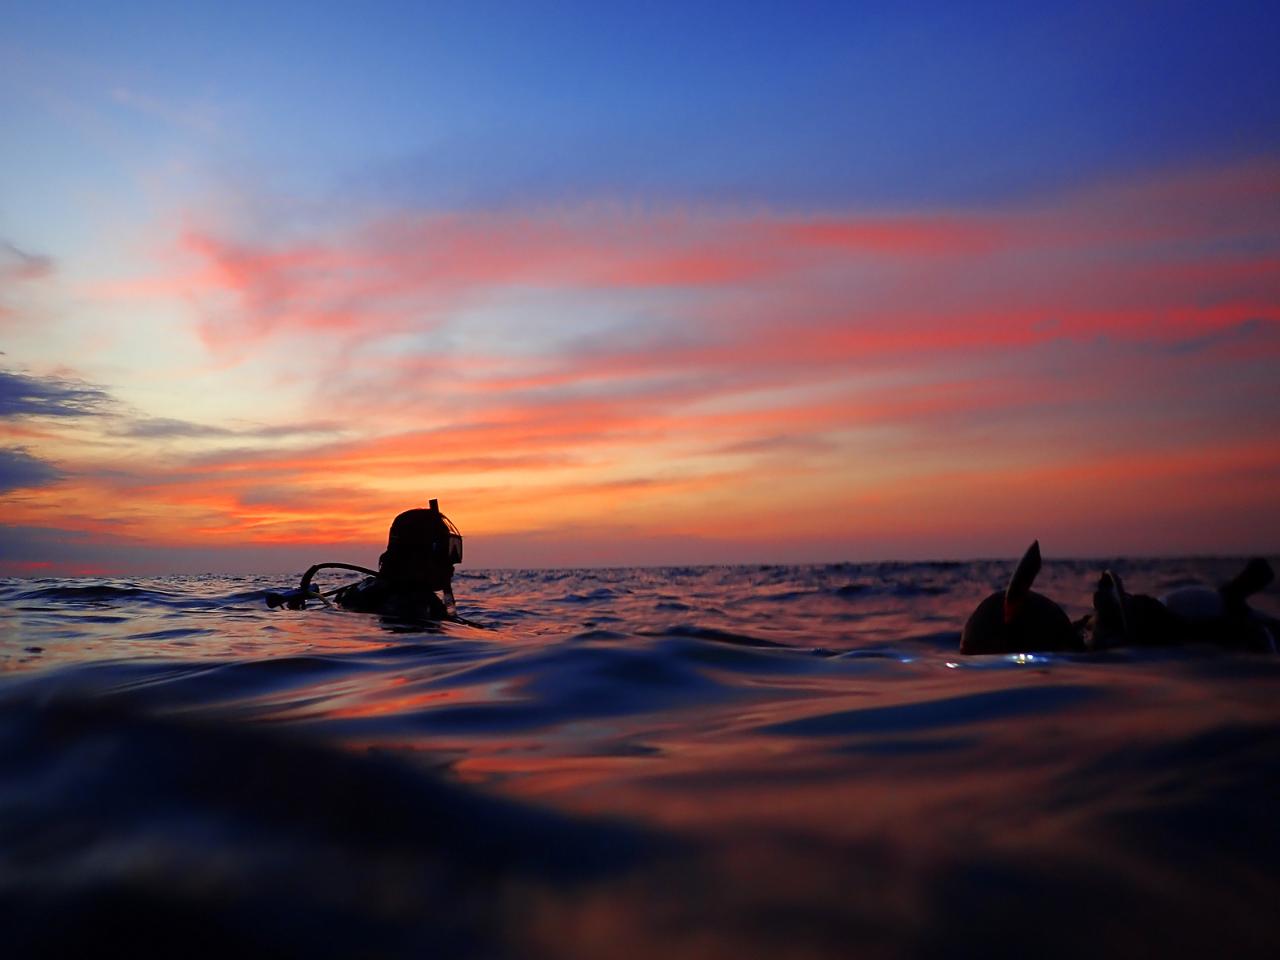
{"x":1255,"y":576}
{"x":1024,"y":575}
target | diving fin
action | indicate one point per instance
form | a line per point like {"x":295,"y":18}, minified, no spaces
{"x":1024,"y":575}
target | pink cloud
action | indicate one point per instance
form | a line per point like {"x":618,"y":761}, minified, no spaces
{"x":764,"y":297}
{"x":1081,"y":351}
{"x":390,"y":275}
{"x":1158,"y":259}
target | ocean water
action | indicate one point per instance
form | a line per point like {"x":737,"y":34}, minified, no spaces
{"x":693,"y":762}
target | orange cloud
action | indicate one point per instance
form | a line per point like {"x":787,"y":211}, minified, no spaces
{"x":1098,"y":361}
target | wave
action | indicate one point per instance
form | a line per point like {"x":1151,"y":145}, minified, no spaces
{"x":225,"y":838}
{"x":760,"y":761}
{"x":93,"y":593}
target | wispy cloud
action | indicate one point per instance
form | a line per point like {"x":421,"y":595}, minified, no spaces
{"x":202,"y":119}
{"x":1158,"y":261}
{"x":18,"y":267}
{"x":17,"y":264}
{"x":413,"y":271}
{"x":163,"y":428}
{"x":837,"y":377}
{"x":23,"y":395}
{"x":1249,"y":331}
{"x":20,"y":470}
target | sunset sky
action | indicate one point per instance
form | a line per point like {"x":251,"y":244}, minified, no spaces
{"x":633,"y":284}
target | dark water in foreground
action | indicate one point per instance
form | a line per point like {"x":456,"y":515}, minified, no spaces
{"x":714,"y":762}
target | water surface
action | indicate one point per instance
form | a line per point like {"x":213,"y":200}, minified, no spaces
{"x":695,"y":762}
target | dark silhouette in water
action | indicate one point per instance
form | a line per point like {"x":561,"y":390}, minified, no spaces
{"x":414,"y":578}
{"x":1020,"y":620}
{"x":1195,"y":614}
{"x":1120,"y":618}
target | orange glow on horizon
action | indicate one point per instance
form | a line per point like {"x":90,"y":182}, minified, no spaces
{"x":839,"y":384}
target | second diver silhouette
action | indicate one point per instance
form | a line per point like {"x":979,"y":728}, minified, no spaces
{"x":1020,"y":620}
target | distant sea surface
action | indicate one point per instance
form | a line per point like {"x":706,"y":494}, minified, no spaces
{"x":732,"y":762}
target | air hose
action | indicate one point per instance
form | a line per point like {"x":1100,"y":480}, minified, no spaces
{"x":297,"y":599}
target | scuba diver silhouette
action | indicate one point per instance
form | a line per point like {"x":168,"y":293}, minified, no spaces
{"x":414,"y":577}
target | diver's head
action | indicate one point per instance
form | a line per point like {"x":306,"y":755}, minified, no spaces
{"x":422,"y":548}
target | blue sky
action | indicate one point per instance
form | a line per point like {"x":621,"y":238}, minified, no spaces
{"x":864,"y":105}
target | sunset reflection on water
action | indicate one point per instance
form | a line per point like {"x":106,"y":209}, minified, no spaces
{"x":801,"y":765}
